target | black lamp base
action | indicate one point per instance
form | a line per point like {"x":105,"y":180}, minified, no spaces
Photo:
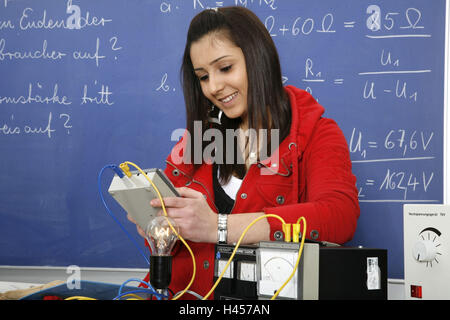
{"x":160,"y":271}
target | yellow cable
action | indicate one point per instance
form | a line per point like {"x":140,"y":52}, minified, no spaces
{"x":136,"y":297}
{"x":237,"y":246}
{"x":171,"y":226}
{"x":79,"y":298}
{"x":298,"y":258}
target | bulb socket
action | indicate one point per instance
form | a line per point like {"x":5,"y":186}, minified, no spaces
{"x":160,"y":271}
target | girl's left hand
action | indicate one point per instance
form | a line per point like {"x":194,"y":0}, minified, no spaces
{"x":196,"y":220}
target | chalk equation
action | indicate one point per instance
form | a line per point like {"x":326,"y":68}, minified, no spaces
{"x":396,"y":186}
{"x":401,"y":144}
{"x":393,"y":23}
{"x":170,"y":6}
{"x":387,"y":175}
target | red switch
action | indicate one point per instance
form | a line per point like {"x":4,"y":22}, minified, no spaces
{"x":416,"y":292}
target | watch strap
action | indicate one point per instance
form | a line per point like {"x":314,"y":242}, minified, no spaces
{"x":222,"y":228}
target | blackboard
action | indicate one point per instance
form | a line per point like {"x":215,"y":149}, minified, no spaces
{"x":86,"y":83}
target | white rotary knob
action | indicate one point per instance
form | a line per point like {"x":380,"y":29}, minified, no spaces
{"x":424,"y":251}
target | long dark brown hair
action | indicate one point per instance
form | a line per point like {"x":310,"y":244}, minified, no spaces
{"x":268,"y":104}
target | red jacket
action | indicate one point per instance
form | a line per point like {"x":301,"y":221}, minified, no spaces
{"x":314,"y":180}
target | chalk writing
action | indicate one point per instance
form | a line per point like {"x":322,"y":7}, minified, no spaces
{"x":66,"y":118}
{"x":375,"y":22}
{"x":300,"y":26}
{"x":41,"y":53}
{"x":28,"y":129}
{"x":32,"y":97}
{"x":164,"y":86}
{"x":396,"y":186}
{"x":6,"y":24}
{"x":92,"y":55}
{"x":100,"y":97}
{"x":267,"y":3}
{"x":44,"y":53}
{"x":205,"y":4}
{"x":32,"y":20}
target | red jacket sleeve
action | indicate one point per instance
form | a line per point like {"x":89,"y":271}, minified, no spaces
{"x":329,"y":202}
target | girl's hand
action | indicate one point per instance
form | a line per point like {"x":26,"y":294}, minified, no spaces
{"x":192,"y":214}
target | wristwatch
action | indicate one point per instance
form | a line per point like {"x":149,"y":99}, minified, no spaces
{"x":222,"y":230}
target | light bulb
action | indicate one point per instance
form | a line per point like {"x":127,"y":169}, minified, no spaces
{"x":160,"y":235}
{"x":161,"y":238}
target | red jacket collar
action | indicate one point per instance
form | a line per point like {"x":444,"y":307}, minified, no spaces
{"x":305,"y":114}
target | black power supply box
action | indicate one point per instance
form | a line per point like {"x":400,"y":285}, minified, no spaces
{"x":324,"y":273}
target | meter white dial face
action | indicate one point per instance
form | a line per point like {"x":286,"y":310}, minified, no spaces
{"x":277,"y":265}
{"x":274,"y":269}
{"x":427,"y":247}
{"x":247,"y":271}
{"x":221,"y":266}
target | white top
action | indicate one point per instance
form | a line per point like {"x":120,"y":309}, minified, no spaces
{"x":232,"y":187}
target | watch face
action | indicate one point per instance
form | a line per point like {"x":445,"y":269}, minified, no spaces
{"x":247,"y":271}
{"x":222,"y":236}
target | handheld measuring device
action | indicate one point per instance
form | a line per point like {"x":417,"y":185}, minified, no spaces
{"x":135,"y":193}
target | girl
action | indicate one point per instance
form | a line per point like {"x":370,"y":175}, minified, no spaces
{"x":293,"y":163}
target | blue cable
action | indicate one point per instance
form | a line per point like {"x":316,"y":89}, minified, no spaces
{"x":149,"y":290}
{"x":117,"y":170}
{"x":136,"y":280}
{"x":158,"y":295}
